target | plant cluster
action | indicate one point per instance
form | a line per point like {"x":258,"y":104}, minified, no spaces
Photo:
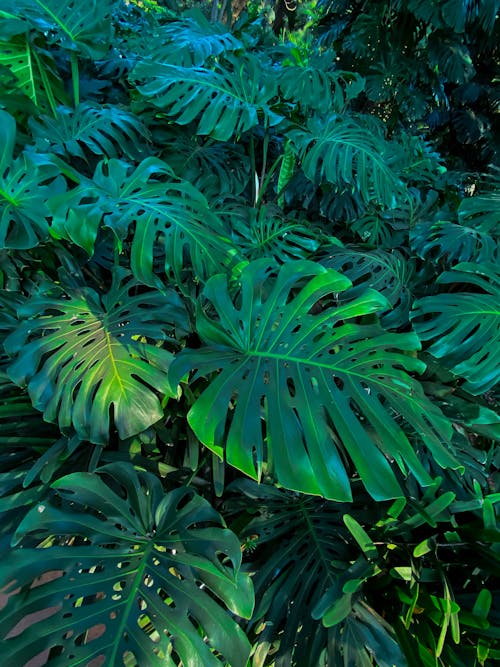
{"x":250,"y":359}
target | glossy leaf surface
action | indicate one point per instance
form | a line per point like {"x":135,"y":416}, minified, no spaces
{"x":85,"y":357}
{"x":299,"y":380}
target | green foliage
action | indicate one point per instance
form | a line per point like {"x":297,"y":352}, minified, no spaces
{"x":142,"y":560}
{"x":302,"y":388}
{"x":249,"y":377}
{"x":83,"y":356}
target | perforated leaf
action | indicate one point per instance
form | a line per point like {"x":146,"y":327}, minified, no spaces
{"x":453,"y":243}
{"x":191,"y":41}
{"x":315,"y":88}
{"x":172,"y":226}
{"x":389,"y":273}
{"x":306,"y":561}
{"x":222,"y":102}
{"x":298,"y":382}
{"x":128,"y":572}
{"x":343,"y":152}
{"x":84,"y":357}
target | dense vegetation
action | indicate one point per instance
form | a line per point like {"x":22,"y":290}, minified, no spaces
{"x":250,"y":288}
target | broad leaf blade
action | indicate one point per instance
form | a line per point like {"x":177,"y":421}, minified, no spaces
{"x":173,"y":229}
{"x":82,"y":357}
{"x":25,"y":185}
{"x":294,"y":390}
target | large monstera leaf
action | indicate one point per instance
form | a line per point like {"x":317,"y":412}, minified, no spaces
{"x":104,"y":130}
{"x":25,"y":185}
{"x":310,"y":608}
{"x":170,"y":220}
{"x":296,"y":382}
{"x":463,"y":327}
{"x":83,"y":356}
{"x":223,"y":102}
{"x":125,"y":574}
{"x":350,"y":155}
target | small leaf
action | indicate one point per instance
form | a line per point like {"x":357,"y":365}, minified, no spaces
{"x":361,"y":537}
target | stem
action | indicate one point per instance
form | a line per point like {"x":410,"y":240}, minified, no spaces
{"x":264,"y":159}
{"x":75,"y":77}
{"x":253,"y":169}
{"x":267,"y":180}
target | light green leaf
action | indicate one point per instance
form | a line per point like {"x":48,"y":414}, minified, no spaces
{"x":89,"y":362}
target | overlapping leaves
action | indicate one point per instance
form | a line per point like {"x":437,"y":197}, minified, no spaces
{"x":151,"y":571}
{"x":222,"y":101}
{"x":73,"y":24}
{"x":350,"y":155}
{"x":310,"y":607}
{"x":170,"y":221}
{"x":299,"y":383}
{"x":109,"y":131}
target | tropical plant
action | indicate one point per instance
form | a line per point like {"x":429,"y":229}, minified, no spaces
{"x":249,"y":377}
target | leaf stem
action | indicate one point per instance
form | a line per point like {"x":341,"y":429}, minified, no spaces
{"x":75,"y":78}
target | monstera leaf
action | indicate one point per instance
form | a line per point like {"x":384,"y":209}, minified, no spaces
{"x":34,"y":70}
{"x":344,"y":152}
{"x":76,"y":25}
{"x":116,"y":571}
{"x":223,"y":102}
{"x":170,"y":220}
{"x":109,"y":131}
{"x":267,"y":233}
{"x":296,"y":382}
{"x":191,"y":41}
{"x":446,"y":240}
{"x":388,"y":273}
{"x":25,"y":185}
{"x":316,"y":88}
{"x":216,"y":168}
{"x":308,"y":583}
{"x":463,"y":327}
{"x":85,"y":357}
